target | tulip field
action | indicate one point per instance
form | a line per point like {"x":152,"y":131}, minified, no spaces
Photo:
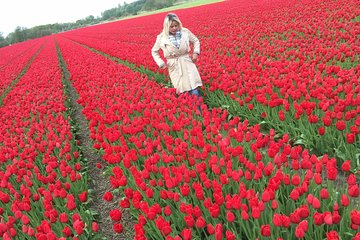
{"x":273,"y":154}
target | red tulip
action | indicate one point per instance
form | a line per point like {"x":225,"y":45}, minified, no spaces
{"x":229,"y":235}
{"x":210,"y":229}
{"x":79,"y":226}
{"x":83,"y":196}
{"x":281,"y":115}
{"x":63,"y":218}
{"x":346,"y":166}
{"x":230,"y":216}
{"x":294,"y":195}
{"x":332,"y":173}
{"x":95,"y":226}
{"x":255,"y":212}
{"x":277,"y":220}
{"x":353,"y":190}
{"x":321,"y":131}
{"x":118,"y":227}
{"x":355,"y":217}
{"x":265,"y":230}
{"x":125,"y":203}
{"x":316,"y":203}
{"x":67,"y":231}
{"x":214,"y":210}
{"x":350,"y":138}
{"x":70,"y":202}
{"x":218,"y":231}
{"x":340,"y":125}
{"x":189,"y":221}
{"x":200,"y":222}
{"x":332,"y":235}
{"x":115,"y":214}
{"x":317,"y":178}
{"x":324,"y":194}
{"x":345,"y":200}
{"x":336,"y":218}
{"x":108,"y":196}
{"x":167,"y":211}
{"x":352,"y":180}
{"x":187,"y":234}
{"x":356,"y":237}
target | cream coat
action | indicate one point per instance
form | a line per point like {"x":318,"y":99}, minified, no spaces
{"x":183,"y":72}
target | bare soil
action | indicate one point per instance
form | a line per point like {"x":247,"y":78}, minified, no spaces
{"x":98,"y":182}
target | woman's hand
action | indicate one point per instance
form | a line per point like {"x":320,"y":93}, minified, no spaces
{"x":195,"y":57}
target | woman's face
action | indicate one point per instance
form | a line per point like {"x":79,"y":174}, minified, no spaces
{"x":174,"y":27}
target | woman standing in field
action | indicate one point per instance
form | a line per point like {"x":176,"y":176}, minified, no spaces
{"x":175,"y":41}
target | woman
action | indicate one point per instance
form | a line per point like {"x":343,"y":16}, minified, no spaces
{"x":175,"y":41}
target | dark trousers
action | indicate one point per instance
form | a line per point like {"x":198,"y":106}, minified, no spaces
{"x":197,"y":94}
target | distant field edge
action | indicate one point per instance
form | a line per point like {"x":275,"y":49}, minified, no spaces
{"x":184,"y":5}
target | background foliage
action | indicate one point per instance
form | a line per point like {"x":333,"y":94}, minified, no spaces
{"x":21,"y":34}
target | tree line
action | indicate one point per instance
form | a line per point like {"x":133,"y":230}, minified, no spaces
{"x":21,"y":34}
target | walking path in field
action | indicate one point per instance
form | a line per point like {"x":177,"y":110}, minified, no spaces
{"x":99,"y":183}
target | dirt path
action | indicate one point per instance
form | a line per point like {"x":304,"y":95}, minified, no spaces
{"x":98,"y":182}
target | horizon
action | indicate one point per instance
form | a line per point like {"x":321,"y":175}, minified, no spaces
{"x":50,"y":12}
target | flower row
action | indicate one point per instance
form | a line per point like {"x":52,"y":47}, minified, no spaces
{"x":14,"y":60}
{"x":190,"y":176}
{"x":43,"y":191}
{"x":294,"y":66}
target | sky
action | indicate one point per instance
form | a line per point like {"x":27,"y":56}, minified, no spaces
{"x":31,"y":13}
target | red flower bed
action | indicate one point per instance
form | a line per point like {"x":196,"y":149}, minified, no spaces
{"x":14,"y":59}
{"x":10,"y":53}
{"x":295,"y":64}
{"x":190,"y":176}
{"x":42,"y":191}
{"x":264,"y":169}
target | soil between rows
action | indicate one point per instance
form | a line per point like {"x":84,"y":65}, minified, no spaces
{"x":99,"y":183}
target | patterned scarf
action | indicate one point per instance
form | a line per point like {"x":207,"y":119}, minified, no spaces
{"x":175,"y":39}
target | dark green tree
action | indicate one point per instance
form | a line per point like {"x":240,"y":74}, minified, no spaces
{"x":3,"y":41}
{"x":157,"y":4}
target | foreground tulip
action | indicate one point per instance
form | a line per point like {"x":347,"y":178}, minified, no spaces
{"x":265,"y":230}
